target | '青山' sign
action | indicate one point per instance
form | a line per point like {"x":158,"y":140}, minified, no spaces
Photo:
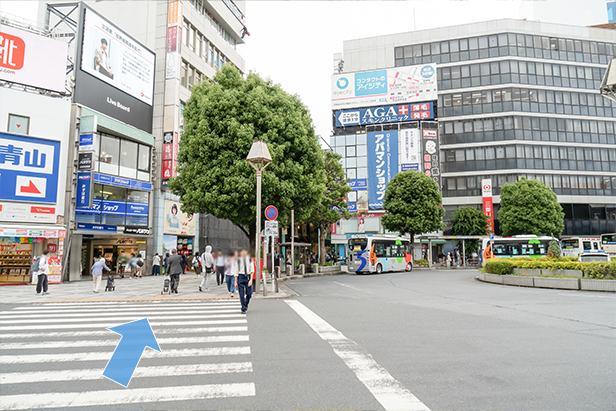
{"x":384,"y":114}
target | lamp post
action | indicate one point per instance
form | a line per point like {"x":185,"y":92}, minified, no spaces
{"x":259,"y":157}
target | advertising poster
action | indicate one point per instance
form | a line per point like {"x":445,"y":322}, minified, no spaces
{"x":431,"y":162}
{"x":488,"y":207}
{"x":169,"y":243}
{"x":410,"y":84}
{"x":384,"y":114}
{"x":177,"y":222}
{"x":409,"y":149}
{"x":382,"y":165}
{"x":112,"y":56}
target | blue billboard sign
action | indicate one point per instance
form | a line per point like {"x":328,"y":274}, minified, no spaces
{"x":86,"y":142}
{"x":360,"y":184}
{"x":113,"y":207}
{"x":384,"y":114}
{"x":29,"y":168}
{"x":352,"y":207}
{"x":97,"y":227}
{"x":84,"y":190}
{"x":137,"y":209}
{"x":382,"y":165}
{"x":122,"y":182}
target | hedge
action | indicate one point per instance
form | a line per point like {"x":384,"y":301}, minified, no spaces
{"x":421,"y":263}
{"x":504,"y":266}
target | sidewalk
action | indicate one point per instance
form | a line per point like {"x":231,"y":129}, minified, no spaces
{"x":146,"y":289}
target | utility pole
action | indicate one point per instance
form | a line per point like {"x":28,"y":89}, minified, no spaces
{"x":293,"y":241}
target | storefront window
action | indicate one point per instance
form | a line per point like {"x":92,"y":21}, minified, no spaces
{"x":112,"y":193}
{"x":128,"y":159}
{"x":143,"y":166}
{"x":109,"y":155}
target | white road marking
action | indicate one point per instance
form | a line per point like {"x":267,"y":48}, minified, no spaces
{"x":386,"y":389}
{"x":108,"y":325}
{"x":69,"y":315}
{"x":104,"y":356}
{"x":106,"y":333}
{"x":126,"y":396}
{"x":102,"y":317}
{"x":345,"y":285}
{"x":51,"y":308}
{"x":114,"y":342}
{"x":96,"y":374}
{"x":590,"y":295}
{"x":164,"y":303}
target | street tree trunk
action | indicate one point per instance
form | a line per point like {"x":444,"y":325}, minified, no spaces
{"x":323,"y":231}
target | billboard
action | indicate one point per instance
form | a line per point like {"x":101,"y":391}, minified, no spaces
{"x":115,"y":74}
{"x":431,"y":162}
{"x":382,"y":165}
{"x":410,"y":84}
{"x":177,"y":222}
{"x":32,"y":60}
{"x":384,"y":114}
{"x":409,"y":149}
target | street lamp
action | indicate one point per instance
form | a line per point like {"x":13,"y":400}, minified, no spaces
{"x":259,"y":157}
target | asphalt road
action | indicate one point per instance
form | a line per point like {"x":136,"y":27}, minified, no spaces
{"x":439,"y":338}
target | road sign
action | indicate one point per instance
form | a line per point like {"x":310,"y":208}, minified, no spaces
{"x":491,"y":236}
{"x":271,"y":228}
{"x":271,"y":213}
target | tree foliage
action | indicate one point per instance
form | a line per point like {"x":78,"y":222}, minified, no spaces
{"x":529,"y":207}
{"x":413,"y":204}
{"x":332,"y":205}
{"x":222,"y":119}
{"x":469,"y":221}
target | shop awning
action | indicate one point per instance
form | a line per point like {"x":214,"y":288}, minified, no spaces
{"x":27,"y":230}
{"x":434,"y":241}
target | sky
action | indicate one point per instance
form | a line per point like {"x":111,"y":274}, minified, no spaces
{"x":293,"y":42}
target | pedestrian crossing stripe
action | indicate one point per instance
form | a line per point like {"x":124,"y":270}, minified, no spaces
{"x":109,"y":325}
{"x":122,"y":305}
{"x":201,"y":330}
{"x":84,"y":312}
{"x":74,"y":316}
{"x":118,"y":318}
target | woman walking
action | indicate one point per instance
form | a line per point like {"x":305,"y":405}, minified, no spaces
{"x":207,"y":261}
{"x":220,"y":268}
{"x":196,"y":262}
{"x":229,"y":276}
{"x":140,"y":264}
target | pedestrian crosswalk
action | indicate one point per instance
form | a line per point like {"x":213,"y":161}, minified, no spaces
{"x":53,"y":356}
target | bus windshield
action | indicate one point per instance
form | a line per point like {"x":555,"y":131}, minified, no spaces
{"x":357,"y":244}
{"x":571,"y":243}
{"x":608,"y":239}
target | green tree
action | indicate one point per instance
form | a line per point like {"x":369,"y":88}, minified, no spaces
{"x":413,"y":204}
{"x":222,"y":119}
{"x":469,"y":221}
{"x":332,"y":205}
{"x":529,"y":207}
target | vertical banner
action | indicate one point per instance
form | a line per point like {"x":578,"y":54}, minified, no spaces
{"x":409,"y":149}
{"x":431,"y":161}
{"x":488,"y":207}
{"x":382,"y":165}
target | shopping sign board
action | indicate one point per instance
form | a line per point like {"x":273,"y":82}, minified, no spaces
{"x":384,"y":114}
{"x":409,"y":149}
{"x":32,"y":60}
{"x":382,"y":165}
{"x":488,"y":206}
{"x":410,"y":84}
{"x":29,"y":168}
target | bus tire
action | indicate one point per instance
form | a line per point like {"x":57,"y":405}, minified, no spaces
{"x":409,"y":267}
{"x":379,"y":268}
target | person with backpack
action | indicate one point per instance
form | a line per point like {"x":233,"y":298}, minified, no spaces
{"x":40,"y":268}
{"x":122,"y":261}
{"x":140,"y":264}
{"x":97,"y":273}
{"x":132,"y":265}
{"x":207,"y":261}
{"x":196,"y":262}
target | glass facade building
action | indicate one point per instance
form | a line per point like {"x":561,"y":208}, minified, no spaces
{"x":516,"y":99}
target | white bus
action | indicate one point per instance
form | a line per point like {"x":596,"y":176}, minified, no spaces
{"x":608,"y":243}
{"x":525,"y":245}
{"x":379,"y":254}
{"x":574,"y":246}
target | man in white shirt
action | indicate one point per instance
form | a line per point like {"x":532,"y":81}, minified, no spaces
{"x":243,"y":270}
{"x":42,"y":272}
{"x":156,"y":264}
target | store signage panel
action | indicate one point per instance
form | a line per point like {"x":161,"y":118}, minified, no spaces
{"x":360,"y":184}
{"x":177,"y":222}
{"x":409,"y":149}
{"x":84,"y":190}
{"x":15,"y":232}
{"x":137,"y":230}
{"x":109,"y":207}
{"x":122,"y":182}
{"x":94,"y":209}
{"x":97,"y":227}
{"x":85,"y":161}
{"x":23,"y":212}
{"x":137,"y":209}
{"x":32,"y":60}
{"x":410,"y":84}
{"x":382,"y":165}
{"x":431,"y":163}
{"x":86,"y":142}
{"x":384,"y":114}
{"x":29,"y":168}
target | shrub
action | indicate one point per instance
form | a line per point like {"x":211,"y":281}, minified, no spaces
{"x":554,"y":248}
{"x":498,"y":266}
{"x":421,"y":263}
{"x":328,"y":264}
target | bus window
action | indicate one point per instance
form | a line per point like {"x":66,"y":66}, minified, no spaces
{"x":388,"y":250}
{"x":379,"y":249}
{"x":500,"y":249}
{"x":541,"y":249}
{"x":587,"y":246}
{"x":514,"y":249}
{"x":595,"y":245}
{"x":528,"y":249}
{"x":409,"y":249}
{"x":357,"y":244}
{"x":570,"y":244}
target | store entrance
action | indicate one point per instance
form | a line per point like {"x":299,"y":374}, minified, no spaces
{"x":111,"y":250}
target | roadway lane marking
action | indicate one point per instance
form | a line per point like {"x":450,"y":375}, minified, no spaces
{"x":385,"y":388}
{"x":114,"y":342}
{"x":109,"y":325}
{"x":106,"y":333}
{"x":140,"y":372}
{"x":588,"y":295}
{"x":118,"y":318}
{"x":104,"y":356}
{"x":344,"y":285}
{"x":124,"y":396}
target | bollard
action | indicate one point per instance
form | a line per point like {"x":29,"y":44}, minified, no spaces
{"x":289,"y":270}
{"x":302,"y":269}
{"x":275,"y":282}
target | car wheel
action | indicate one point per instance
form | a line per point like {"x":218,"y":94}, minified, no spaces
{"x":379,"y":269}
{"x":409,"y":267}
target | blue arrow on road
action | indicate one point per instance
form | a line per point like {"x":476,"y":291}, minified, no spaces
{"x":136,"y":335}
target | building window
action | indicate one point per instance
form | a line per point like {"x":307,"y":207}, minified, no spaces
{"x":128,"y":159}
{"x":109,"y":155}
{"x":184,"y":74}
{"x":18,"y":124}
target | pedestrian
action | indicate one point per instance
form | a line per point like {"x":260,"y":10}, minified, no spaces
{"x":220,"y":268}
{"x":207,"y":261}
{"x":132,"y":265}
{"x":184,"y":263}
{"x":196,"y":262}
{"x":229,"y":276}
{"x":122,"y":261}
{"x":449,"y":259}
{"x":97,"y":273}
{"x":243,"y":278}
{"x":40,"y":268}
{"x":140,"y":264}
{"x":174,"y":268}
{"x":165,"y":265}
{"x":156,"y":265}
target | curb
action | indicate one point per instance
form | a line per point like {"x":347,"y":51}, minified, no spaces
{"x":555,"y":283}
